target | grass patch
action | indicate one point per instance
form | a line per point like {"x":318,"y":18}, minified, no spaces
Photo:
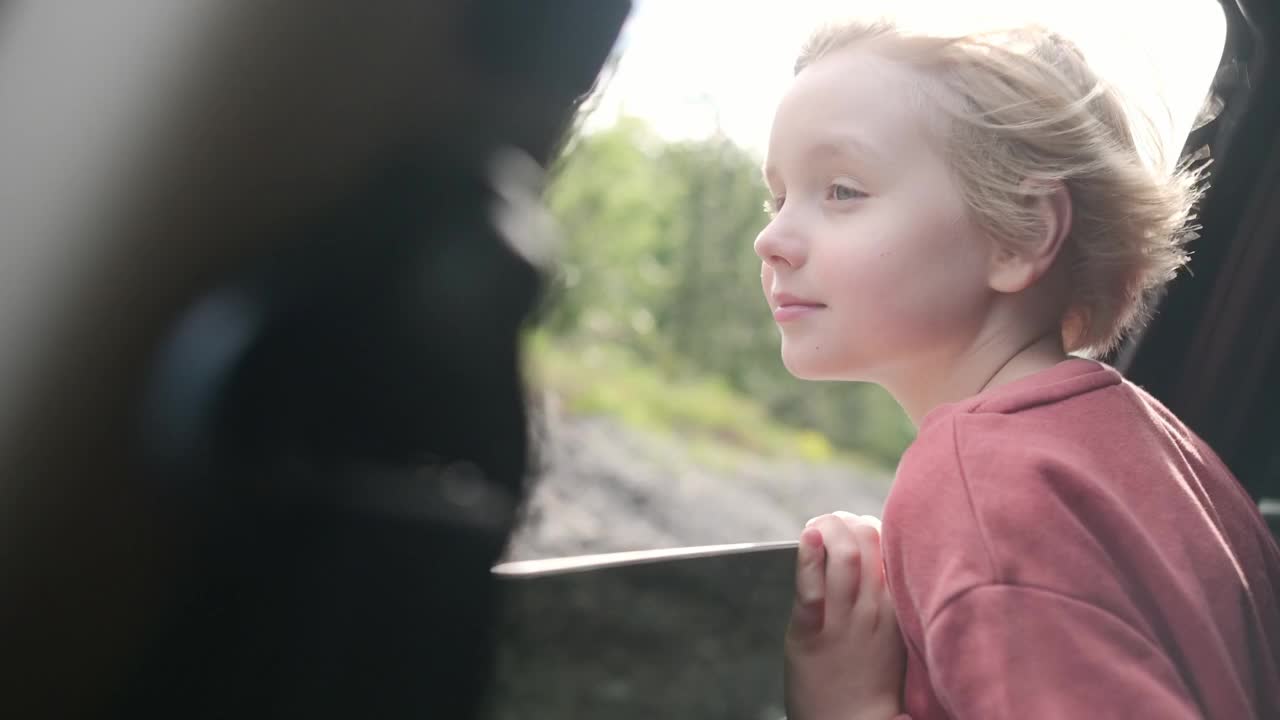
{"x":711,"y":418}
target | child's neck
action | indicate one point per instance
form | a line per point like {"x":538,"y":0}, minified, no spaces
{"x":982,"y":369}
{"x":1042,"y":354}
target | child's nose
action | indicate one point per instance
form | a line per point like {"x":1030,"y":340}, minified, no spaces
{"x":780,"y":246}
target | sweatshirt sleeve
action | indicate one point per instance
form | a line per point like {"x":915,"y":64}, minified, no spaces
{"x":1007,"y":651}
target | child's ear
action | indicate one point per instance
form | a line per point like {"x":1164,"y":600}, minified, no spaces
{"x":1018,"y":268}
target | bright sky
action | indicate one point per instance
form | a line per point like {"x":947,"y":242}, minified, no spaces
{"x":688,"y":64}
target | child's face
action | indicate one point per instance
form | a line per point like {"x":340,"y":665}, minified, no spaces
{"x":870,"y":264}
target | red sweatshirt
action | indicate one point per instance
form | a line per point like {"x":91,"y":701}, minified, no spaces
{"x":1063,"y":547}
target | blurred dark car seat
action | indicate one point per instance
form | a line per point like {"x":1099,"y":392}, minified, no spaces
{"x":262,"y":454}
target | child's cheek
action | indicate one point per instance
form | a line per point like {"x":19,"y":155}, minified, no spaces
{"x":899,"y":303}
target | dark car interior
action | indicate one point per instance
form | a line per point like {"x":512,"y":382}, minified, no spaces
{"x":256,"y":466}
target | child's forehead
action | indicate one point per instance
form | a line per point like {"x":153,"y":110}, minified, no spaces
{"x":853,"y":100}
{"x":859,"y":78}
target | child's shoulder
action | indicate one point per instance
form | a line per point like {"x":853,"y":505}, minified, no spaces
{"x":986,"y":498}
{"x":1039,"y":453}
{"x":1025,"y":427}
{"x":990,"y":464}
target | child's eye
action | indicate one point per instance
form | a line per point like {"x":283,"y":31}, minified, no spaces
{"x":841,"y":192}
{"x":773,"y":205}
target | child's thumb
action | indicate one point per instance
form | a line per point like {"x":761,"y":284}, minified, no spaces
{"x":807,"y":610}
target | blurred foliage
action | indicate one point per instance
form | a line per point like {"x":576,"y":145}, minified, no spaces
{"x":657,"y":272}
{"x":596,"y":378}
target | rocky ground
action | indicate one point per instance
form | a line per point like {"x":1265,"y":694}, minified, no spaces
{"x":602,"y":487}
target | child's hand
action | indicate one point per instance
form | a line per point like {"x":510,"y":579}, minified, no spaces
{"x":844,"y":656}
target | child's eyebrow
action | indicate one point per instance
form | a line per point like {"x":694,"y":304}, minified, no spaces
{"x":845,"y":146}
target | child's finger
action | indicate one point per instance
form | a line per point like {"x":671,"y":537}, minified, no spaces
{"x":866,"y":532}
{"x":871,"y":589}
{"x":880,"y":573}
{"x":807,"y":611}
{"x":844,"y":564}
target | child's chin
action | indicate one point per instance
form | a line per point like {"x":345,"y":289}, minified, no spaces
{"x":806,"y":363}
{"x":807,"y":368}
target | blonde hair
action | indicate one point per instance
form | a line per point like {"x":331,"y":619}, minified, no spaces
{"x":1025,"y":112}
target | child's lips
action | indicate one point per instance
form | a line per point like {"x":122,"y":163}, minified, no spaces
{"x":795,"y":310}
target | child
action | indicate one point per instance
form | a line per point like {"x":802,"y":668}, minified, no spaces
{"x":952,"y":218}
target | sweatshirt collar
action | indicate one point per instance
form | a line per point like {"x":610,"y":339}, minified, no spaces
{"x":1071,"y":377}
